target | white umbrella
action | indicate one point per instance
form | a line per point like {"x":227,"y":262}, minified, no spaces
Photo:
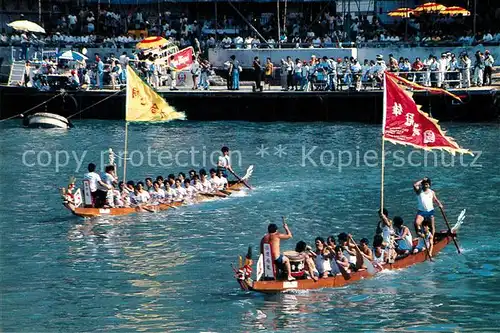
{"x":24,"y":25}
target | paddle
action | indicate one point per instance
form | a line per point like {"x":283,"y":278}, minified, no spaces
{"x":449,"y":229}
{"x":240,"y":179}
{"x":369,"y":266}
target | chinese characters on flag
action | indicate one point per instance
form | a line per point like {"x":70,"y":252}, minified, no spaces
{"x":145,"y":104}
{"x":405,"y":124}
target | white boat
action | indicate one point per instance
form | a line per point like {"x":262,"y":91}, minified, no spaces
{"x":47,"y":120}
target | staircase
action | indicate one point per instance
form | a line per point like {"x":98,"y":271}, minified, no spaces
{"x":16,"y":76}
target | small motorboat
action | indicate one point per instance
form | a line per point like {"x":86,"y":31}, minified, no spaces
{"x":47,"y":120}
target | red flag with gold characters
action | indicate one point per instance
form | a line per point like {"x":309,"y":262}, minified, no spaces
{"x":405,"y":124}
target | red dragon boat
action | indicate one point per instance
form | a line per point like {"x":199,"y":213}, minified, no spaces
{"x":243,"y":274}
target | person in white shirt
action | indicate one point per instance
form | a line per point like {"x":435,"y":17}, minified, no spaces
{"x":157,"y":194}
{"x":223,"y":183}
{"x":214,"y":179}
{"x":98,"y":196}
{"x":141,"y":196}
{"x":180,"y":192}
{"x":109,"y":178}
{"x":205,"y":184}
{"x":442,"y":67}
{"x":190,"y":190}
{"x":224,"y":162}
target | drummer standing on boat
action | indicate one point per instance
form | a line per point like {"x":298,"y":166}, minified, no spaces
{"x":273,"y":238}
{"x":224,"y":162}
{"x":425,"y":201}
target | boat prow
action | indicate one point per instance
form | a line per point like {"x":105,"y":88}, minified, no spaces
{"x":277,"y":286}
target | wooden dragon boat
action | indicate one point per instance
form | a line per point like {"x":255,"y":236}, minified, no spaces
{"x":73,"y":202}
{"x":243,"y":275}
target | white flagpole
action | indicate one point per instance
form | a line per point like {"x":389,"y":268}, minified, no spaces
{"x":384,"y":110}
{"x":125,"y":154}
{"x":126,"y":127}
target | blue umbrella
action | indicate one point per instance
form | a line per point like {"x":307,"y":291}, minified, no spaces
{"x":72,"y":55}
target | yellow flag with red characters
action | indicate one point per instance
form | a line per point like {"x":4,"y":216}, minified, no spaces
{"x":145,"y":104}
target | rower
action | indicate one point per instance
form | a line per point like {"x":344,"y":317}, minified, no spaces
{"x":192,"y":174}
{"x":141,"y":196}
{"x":379,"y":255}
{"x":365,"y":249}
{"x":190,"y":190}
{"x":426,"y":239}
{"x":385,"y":224}
{"x":305,"y":254}
{"x":159,"y":179}
{"x":322,"y":255}
{"x":149,"y":184}
{"x":224,"y":162}
{"x":223,"y":184}
{"x":171,"y":180}
{"x":206,"y":186}
{"x":98,"y":196}
{"x":348,"y":250}
{"x":181,"y":177}
{"x":180,"y":192}
{"x":273,"y":238}
{"x":404,"y":239}
{"x":425,"y":199}
{"x":157,"y":193}
{"x":341,"y":260}
{"x":214,"y":179}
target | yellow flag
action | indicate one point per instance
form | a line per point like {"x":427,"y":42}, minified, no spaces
{"x":144,"y":104}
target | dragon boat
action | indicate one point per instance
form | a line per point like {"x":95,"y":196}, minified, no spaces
{"x":280,"y":284}
{"x":74,"y":202}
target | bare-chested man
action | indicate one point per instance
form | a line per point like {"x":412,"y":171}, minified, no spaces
{"x":273,"y":237}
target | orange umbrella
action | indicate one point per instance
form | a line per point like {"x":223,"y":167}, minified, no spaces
{"x":455,"y":10}
{"x":401,"y":12}
{"x":430,"y":7}
{"x":151,"y":43}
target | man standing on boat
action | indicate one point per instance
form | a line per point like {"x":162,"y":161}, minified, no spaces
{"x":273,"y":238}
{"x":98,"y":196}
{"x":425,"y":200}
{"x":224,"y":162}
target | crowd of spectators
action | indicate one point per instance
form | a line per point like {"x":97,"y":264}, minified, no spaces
{"x":120,"y":26}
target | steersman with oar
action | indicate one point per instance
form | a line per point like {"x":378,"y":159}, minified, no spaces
{"x":224,"y":164}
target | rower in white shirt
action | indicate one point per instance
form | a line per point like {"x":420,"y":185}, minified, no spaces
{"x":180,"y":192}
{"x":157,"y":193}
{"x":205,"y":184}
{"x":190,"y":190}
{"x":141,"y":195}
{"x":223,"y":184}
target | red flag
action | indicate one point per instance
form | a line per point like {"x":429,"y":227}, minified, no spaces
{"x":405,"y":124}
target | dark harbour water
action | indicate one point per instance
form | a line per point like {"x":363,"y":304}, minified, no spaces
{"x":171,"y":271}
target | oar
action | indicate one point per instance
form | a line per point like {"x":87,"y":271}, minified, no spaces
{"x":449,"y":229}
{"x":240,"y":179}
{"x":369,"y":266}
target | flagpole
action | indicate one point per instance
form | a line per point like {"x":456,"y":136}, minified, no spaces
{"x":125,"y":154}
{"x":384,"y":110}
{"x":126,"y":124}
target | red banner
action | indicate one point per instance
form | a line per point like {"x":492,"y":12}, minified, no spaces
{"x":183,"y":59}
{"x":405,"y":124}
